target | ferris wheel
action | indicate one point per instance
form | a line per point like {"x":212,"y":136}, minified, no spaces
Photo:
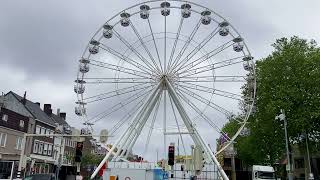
{"x":168,"y":67}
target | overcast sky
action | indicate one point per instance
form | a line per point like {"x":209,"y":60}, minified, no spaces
{"x":41,"y":41}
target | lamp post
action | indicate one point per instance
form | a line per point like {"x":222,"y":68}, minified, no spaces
{"x":310,"y":174}
{"x":282,"y":117}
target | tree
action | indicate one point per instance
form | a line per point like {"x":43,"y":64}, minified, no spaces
{"x":287,"y":79}
{"x":89,"y":159}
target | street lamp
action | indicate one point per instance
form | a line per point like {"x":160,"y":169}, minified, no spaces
{"x":310,"y":176}
{"x":282,"y":117}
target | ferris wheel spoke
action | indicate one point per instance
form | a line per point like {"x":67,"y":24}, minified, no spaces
{"x":165,"y":44}
{"x":126,"y":59}
{"x":120,"y":105}
{"x":197,"y":48}
{"x":200,"y":113}
{"x":119,"y":68}
{"x":155,"y":44}
{"x":211,"y":67}
{"x":186,"y":44}
{"x":119,"y":80}
{"x":115,"y":93}
{"x":175,"y":42}
{"x":126,"y":43}
{"x":205,"y":57}
{"x":200,"y":79}
{"x":215,"y":91}
{"x":175,"y":118}
{"x":206,"y":102}
{"x":145,"y":47}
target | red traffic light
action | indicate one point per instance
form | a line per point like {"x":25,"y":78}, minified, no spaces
{"x":171,"y":155}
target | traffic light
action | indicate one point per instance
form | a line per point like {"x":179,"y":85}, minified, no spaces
{"x":78,"y":155}
{"x":171,"y":155}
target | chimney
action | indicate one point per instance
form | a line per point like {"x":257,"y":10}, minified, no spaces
{"x":47,"y":109}
{"x":63,"y":115}
{"x":58,"y":111}
{"x":24,"y":99}
{"x":37,"y":103}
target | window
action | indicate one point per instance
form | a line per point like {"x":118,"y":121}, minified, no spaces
{"x":45,"y":148}
{"x":3,"y":139}
{"x":18,"y":143}
{"x":40,"y":148}
{"x":55,"y":155}
{"x":43,"y":130}
{"x":49,"y":149}
{"x":52,"y":132}
{"x":299,"y":163}
{"x":35,"y":147}
{"x":5,"y":117}
{"x":21,"y":124}
{"x":38,"y":129}
{"x":48,"y":132}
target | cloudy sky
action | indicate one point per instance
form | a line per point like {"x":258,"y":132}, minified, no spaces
{"x":42,"y":41}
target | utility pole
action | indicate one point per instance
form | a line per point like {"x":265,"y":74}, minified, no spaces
{"x":282,"y":117}
{"x":23,"y":146}
{"x":233,"y":164}
{"x":310,"y":175}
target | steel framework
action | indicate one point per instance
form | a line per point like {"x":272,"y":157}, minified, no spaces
{"x":189,"y":72}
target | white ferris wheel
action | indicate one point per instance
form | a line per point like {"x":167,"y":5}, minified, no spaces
{"x":163,"y":69}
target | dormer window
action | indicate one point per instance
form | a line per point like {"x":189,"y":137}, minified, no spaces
{"x":38,"y":129}
{"x":47,"y":132}
{"x":5,"y":117}
{"x":21,"y":124}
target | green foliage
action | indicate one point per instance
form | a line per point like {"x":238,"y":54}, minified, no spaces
{"x":90,"y":159}
{"x":287,"y":79}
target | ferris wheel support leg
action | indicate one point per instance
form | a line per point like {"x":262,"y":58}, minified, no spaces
{"x":127,"y":132}
{"x":128,"y":136}
{"x":195,"y":135}
{"x":144,"y":119}
{"x":132,"y":136}
{"x":138,"y":124}
{"x":135,"y":122}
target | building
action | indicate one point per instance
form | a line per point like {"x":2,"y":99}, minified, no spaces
{"x":300,"y":163}
{"x":64,"y":147}
{"x":41,"y":157}
{"x":43,"y":153}
{"x":15,"y":121}
{"x":234,"y":167}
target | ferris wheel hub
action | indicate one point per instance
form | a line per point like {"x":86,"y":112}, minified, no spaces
{"x":163,"y":82}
